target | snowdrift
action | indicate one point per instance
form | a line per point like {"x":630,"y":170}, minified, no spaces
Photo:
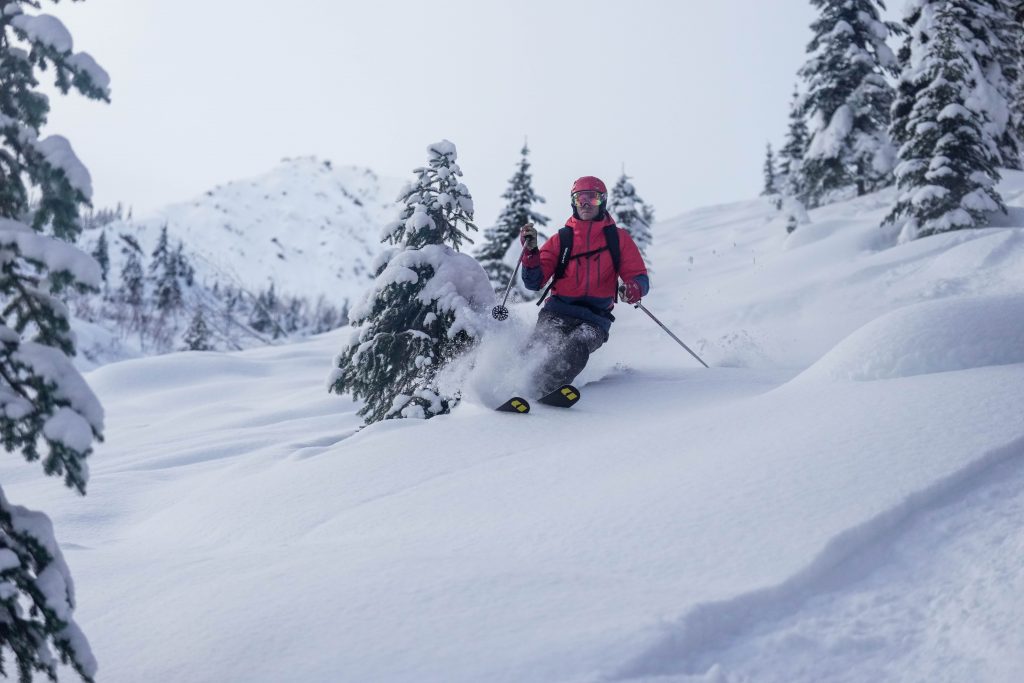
{"x":936,"y":336}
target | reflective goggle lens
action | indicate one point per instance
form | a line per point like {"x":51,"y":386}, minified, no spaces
{"x":586,"y":197}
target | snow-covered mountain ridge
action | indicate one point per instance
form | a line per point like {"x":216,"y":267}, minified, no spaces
{"x":306,"y":226}
{"x":837,"y":499}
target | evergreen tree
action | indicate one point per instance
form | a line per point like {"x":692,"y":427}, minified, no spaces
{"x":989,"y":34}
{"x":133,"y":287}
{"x":424,"y":306}
{"x":1004,"y":73}
{"x":197,"y":336}
{"x":167,"y":268}
{"x":294,"y":319}
{"x":182,"y":266}
{"x":102,"y":255}
{"x":500,"y":251}
{"x":770,"y":181}
{"x":167,"y":287}
{"x":1016,"y":97}
{"x":848,"y":101}
{"x":631,"y":213}
{"x":647,"y":214}
{"x":262,"y":319}
{"x":947,"y":167}
{"x":791,"y":155}
{"x":100,"y":218}
{"x":161,"y":255}
{"x":1001,"y":68}
{"x":47,"y":411}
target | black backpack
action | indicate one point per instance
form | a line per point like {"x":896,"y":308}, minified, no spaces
{"x":611,"y":238}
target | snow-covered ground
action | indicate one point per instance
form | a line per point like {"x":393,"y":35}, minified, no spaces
{"x":838,"y":498}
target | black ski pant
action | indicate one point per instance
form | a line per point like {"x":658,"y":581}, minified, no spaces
{"x":565,"y":344}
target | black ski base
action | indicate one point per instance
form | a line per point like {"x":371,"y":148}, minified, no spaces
{"x":564,"y":396}
{"x":514,"y":405}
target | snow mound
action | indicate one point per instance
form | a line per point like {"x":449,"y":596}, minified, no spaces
{"x":935,"y":336}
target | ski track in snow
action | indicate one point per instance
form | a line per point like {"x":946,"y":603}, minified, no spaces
{"x":775,"y":618}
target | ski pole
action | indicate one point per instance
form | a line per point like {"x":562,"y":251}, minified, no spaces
{"x":500,"y":312}
{"x":662,"y":326}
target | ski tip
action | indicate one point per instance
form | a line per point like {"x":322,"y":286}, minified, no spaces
{"x":515,"y":404}
{"x":562,"y":397}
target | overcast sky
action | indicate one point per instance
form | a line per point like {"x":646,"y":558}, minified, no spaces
{"x":685,"y":93}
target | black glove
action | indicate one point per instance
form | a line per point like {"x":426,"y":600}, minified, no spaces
{"x":528,"y":237}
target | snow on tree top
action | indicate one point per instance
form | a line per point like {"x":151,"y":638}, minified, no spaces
{"x":829,"y":139}
{"x":59,"y":154}
{"x":69,"y":428}
{"x":45,"y":29}
{"x":56,"y":255}
{"x":84,"y":62}
{"x":52,"y":365}
{"x":445,"y":148}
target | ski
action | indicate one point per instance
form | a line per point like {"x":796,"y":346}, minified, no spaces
{"x":514,"y":405}
{"x":564,"y":396}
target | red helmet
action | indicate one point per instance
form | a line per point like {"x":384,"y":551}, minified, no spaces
{"x":588,"y":182}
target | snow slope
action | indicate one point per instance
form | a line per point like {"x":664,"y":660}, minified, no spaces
{"x":836,"y":499}
{"x":307,"y":226}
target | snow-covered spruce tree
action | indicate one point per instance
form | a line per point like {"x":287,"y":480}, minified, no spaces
{"x":629,"y":212}
{"x":500,"y":250}
{"x":182,"y":266}
{"x":47,"y":411}
{"x":989,"y":36}
{"x":197,"y":336}
{"x":102,"y":255}
{"x":771,"y":187}
{"x":163,"y":268}
{"x":791,"y":158}
{"x":791,"y":155}
{"x":1010,"y":26}
{"x":160,"y":255}
{"x":133,"y":281}
{"x":131,"y":294}
{"x":997,"y":52}
{"x":263,"y":311}
{"x":947,"y":168}
{"x":1017,"y":96}
{"x":424,"y":307}
{"x":848,"y":101}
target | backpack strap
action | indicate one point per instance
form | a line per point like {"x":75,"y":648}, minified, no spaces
{"x":564,"y":254}
{"x":611,"y":238}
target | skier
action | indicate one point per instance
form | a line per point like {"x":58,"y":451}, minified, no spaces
{"x":584,"y":260}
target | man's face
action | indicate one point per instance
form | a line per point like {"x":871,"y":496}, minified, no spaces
{"x":587,"y":203}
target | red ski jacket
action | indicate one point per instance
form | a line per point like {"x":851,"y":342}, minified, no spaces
{"x":587,"y":290}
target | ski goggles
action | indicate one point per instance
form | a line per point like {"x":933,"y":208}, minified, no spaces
{"x":587,"y":197}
